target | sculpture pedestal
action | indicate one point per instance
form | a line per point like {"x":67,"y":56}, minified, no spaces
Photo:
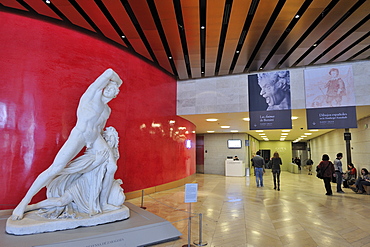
{"x":33,"y":223}
{"x":141,"y":229}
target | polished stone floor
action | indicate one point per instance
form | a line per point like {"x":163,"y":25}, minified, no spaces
{"x":237,"y":213}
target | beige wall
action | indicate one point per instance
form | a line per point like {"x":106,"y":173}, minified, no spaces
{"x":230,"y":93}
{"x":216,"y":151}
{"x":333,"y":143}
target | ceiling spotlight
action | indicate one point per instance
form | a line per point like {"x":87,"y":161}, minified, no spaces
{"x":202,"y":72}
{"x":169,"y":57}
{"x":47,"y":1}
{"x":211,"y":119}
{"x":237,"y":51}
{"x":202,"y":27}
{"x":297,"y":16}
{"x":261,"y":68}
{"x":314,"y":45}
{"x":123,"y":36}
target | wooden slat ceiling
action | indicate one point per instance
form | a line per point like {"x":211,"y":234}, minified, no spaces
{"x":200,"y":38}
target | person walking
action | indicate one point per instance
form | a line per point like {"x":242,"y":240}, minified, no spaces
{"x":309,"y":164}
{"x":298,"y":163}
{"x":339,"y":172}
{"x":259,"y":168}
{"x":326,"y":168}
{"x":276,"y":163}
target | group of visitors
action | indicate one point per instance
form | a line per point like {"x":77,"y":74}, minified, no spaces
{"x":259,"y":169}
{"x":327,"y":169}
{"x":349,"y":179}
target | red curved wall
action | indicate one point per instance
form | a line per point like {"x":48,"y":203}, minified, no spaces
{"x":45,"y":68}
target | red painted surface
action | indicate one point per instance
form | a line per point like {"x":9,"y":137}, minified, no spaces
{"x":45,"y":69}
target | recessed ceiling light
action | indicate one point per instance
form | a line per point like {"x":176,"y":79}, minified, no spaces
{"x":262,"y":134}
{"x":234,"y":130}
{"x":294,"y":118}
{"x":259,"y":130}
{"x":303,"y":136}
{"x":210,"y":131}
{"x":284,"y":134}
{"x":211,"y":119}
{"x":307,"y":134}
{"x":285,"y":130}
{"x":225,"y":127}
{"x":246,"y":119}
{"x":313,"y":130}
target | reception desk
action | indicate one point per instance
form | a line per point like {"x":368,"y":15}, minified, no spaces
{"x":234,"y":168}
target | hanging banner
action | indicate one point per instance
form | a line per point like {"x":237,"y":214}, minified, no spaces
{"x":330,"y":98}
{"x":269,"y":100}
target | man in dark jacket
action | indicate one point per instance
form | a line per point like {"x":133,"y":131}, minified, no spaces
{"x":259,"y":168}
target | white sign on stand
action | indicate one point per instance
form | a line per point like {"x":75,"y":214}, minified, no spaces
{"x":191,"y":193}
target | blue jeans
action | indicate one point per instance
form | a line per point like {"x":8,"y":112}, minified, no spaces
{"x":259,"y":176}
{"x":339,"y":178}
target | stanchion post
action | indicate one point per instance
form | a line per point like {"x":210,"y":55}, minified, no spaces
{"x":200,"y":242}
{"x":189,"y":229}
{"x":142,"y":200}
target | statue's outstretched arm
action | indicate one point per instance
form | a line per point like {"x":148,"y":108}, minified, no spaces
{"x":102,"y":81}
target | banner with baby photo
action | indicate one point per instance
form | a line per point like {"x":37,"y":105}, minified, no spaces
{"x":330,"y":98}
{"x":269,"y":100}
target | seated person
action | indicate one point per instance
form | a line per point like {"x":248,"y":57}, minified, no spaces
{"x":361,"y":181}
{"x":350,"y":176}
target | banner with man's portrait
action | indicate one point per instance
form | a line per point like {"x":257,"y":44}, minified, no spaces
{"x":269,"y":100}
{"x":330,"y":98}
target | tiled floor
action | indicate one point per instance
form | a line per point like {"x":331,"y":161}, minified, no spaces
{"x":237,"y":213}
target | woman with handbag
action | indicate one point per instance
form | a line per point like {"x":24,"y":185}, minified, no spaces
{"x":276,"y":163}
{"x":326,"y":169}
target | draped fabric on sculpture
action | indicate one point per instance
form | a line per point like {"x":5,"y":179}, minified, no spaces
{"x":82,"y":178}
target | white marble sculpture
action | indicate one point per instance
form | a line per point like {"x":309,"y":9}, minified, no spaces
{"x":82,"y":187}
